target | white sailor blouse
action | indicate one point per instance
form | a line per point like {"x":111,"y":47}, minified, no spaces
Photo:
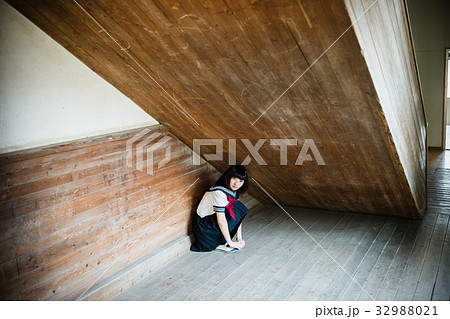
{"x":214,"y":201}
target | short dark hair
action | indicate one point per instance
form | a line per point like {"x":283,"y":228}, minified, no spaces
{"x":238,"y":171}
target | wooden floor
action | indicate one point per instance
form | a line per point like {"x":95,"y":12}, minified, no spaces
{"x":338,"y":256}
{"x":438,"y":158}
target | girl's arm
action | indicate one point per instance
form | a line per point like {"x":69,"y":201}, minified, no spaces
{"x":239,"y":236}
{"x":223,"y":224}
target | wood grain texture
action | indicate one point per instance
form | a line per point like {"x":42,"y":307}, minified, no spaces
{"x":209,"y":69}
{"x":385,"y":40}
{"x":75,"y":210}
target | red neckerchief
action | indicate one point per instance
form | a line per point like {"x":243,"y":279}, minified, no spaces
{"x":230,"y":206}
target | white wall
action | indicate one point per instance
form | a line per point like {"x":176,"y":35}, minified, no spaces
{"x":448,"y":93}
{"x":448,"y":111}
{"x":430,"y":26}
{"x":48,"y":96}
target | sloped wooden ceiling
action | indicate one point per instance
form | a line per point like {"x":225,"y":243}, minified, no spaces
{"x":218,"y":69}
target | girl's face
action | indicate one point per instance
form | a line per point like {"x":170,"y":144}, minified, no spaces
{"x":236,"y":183}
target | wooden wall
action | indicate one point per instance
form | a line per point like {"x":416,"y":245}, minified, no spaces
{"x":385,"y":40}
{"x":210,"y":69}
{"x":68,"y":212}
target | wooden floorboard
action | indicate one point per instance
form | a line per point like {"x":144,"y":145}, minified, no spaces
{"x":281,"y":262}
{"x":308,"y":256}
{"x":438,"y":188}
{"x":314,"y":277}
{"x":360,"y":240}
{"x":408,"y":282}
{"x":272,"y":261}
{"x":442,"y":287}
{"x":227,"y":274}
{"x":296,"y":254}
{"x":228,"y":264}
{"x":356,"y":287}
{"x":336,"y":256}
{"x":398,"y":264}
{"x":174,"y":272}
{"x":424,"y":290}
{"x":264,"y":262}
{"x":378,"y":273}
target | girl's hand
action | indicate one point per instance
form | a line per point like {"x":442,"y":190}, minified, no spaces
{"x":242,"y":242}
{"x":235,"y":244}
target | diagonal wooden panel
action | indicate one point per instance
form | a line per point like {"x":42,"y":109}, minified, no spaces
{"x":211,"y":69}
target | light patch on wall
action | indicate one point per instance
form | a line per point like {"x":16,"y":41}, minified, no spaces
{"x":48,"y":96}
{"x":448,"y":78}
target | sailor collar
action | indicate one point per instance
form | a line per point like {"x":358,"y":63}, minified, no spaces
{"x":227,"y":191}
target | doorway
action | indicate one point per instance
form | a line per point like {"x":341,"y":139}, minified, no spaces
{"x":446,"y":120}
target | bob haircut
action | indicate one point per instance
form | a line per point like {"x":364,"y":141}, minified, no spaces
{"x":238,"y":171}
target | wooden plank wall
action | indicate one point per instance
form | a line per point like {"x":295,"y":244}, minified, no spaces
{"x":69,"y":211}
{"x":384,"y":36}
{"x":226,"y":62}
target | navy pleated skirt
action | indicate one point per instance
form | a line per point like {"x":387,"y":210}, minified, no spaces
{"x":207,"y":232}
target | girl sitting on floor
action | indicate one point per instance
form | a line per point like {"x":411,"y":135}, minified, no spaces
{"x":220,"y":213}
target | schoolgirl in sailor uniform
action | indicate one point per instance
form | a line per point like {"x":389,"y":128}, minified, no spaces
{"x":220,"y":213}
